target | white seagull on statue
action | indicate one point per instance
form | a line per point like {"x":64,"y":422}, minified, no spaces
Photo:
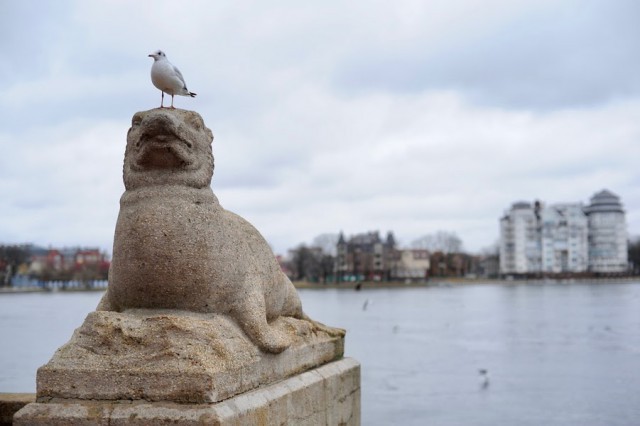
{"x":166,"y":77}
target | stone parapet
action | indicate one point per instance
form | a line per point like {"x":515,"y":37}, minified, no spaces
{"x":10,"y":403}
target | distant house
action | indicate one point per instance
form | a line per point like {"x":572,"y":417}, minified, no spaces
{"x":365,"y":257}
{"x":486,"y":266}
{"x":68,"y":263}
{"x":89,"y":257}
{"x":369,"y":257}
{"x":45,"y":260}
{"x":450,"y":264}
{"x":410,"y":265}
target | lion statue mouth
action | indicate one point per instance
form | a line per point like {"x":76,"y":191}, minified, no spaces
{"x":163,"y":151}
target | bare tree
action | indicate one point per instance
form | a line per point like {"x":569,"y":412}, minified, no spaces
{"x":491,"y":250}
{"x":11,"y":256}
{"x":305,"y":263}
{"x":442,"y":241}
{"x":327,"y":242}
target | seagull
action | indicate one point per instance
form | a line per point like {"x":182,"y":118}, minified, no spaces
{"x":166,"y":77}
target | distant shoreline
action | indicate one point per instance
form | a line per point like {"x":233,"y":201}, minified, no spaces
{"x":22,"y":290}
{"x":434,"y":282}
{"x":450,"y":282}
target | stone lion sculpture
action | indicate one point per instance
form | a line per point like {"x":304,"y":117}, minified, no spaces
{"x":175,"y":247}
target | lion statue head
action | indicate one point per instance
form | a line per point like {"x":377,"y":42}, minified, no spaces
{"x":168,"y":147}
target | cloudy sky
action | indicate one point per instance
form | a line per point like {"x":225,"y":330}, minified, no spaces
{"x":410,"y":116}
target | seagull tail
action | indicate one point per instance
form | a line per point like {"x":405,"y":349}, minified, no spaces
{"x":193,"y":95}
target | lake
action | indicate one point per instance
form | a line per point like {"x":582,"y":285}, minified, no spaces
{"x":555,"y":354}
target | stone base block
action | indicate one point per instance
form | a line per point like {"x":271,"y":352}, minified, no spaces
{"x":327,"y":395}
{"x":178,"y":357}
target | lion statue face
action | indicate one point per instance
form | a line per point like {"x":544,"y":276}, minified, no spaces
{"x":168,"y":147}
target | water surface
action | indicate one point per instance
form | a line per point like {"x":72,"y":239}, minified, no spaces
{"x":556,"y":354}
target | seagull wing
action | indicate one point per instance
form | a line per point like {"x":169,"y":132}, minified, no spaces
{"x":180,"y":78}
{"x":177,"y":71}
{"x":179,"y":75}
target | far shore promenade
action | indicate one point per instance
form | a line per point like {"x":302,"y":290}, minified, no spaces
{"x":361,"y":285}
{"x":456,"y":281}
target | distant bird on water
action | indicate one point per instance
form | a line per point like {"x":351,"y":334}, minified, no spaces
{"x":365,"y":305}
{"x":166,"y":77}
{"x":484,"y":378}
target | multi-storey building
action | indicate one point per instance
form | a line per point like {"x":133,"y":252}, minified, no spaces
{"x":564,"y":232}
{"x":564,"y":238}
{"x":365,"y":256}
{"x":520,"y":245}
{"x":607,"y":234}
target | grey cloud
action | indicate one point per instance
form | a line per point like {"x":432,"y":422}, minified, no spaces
{"x":299,"y":154}
{"x":26,"y":54}
{"x":578,"y":53}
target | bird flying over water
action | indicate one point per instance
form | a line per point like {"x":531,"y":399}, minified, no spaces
{"x":166,"y":77}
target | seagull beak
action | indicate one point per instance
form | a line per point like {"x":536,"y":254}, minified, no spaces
{"x":151,"y":56}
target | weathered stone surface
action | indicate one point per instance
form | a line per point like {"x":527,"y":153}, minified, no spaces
{"x":176,"y":356}
{"x":175,"y":247}
{"x":328,"y":395}
{"x":10,"y":403}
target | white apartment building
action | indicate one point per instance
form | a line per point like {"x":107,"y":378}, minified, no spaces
{"x":564,"y":237}
{"x":520,"y":245}
{"x":607,"y":234}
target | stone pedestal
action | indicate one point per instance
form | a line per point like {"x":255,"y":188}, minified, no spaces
{"x":184,"y":357}
{"x":327,"y":395}
{"x":173,"y":367}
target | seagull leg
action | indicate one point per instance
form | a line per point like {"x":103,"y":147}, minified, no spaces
{"x":162,"y":100}
{"x":172,"y":107}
